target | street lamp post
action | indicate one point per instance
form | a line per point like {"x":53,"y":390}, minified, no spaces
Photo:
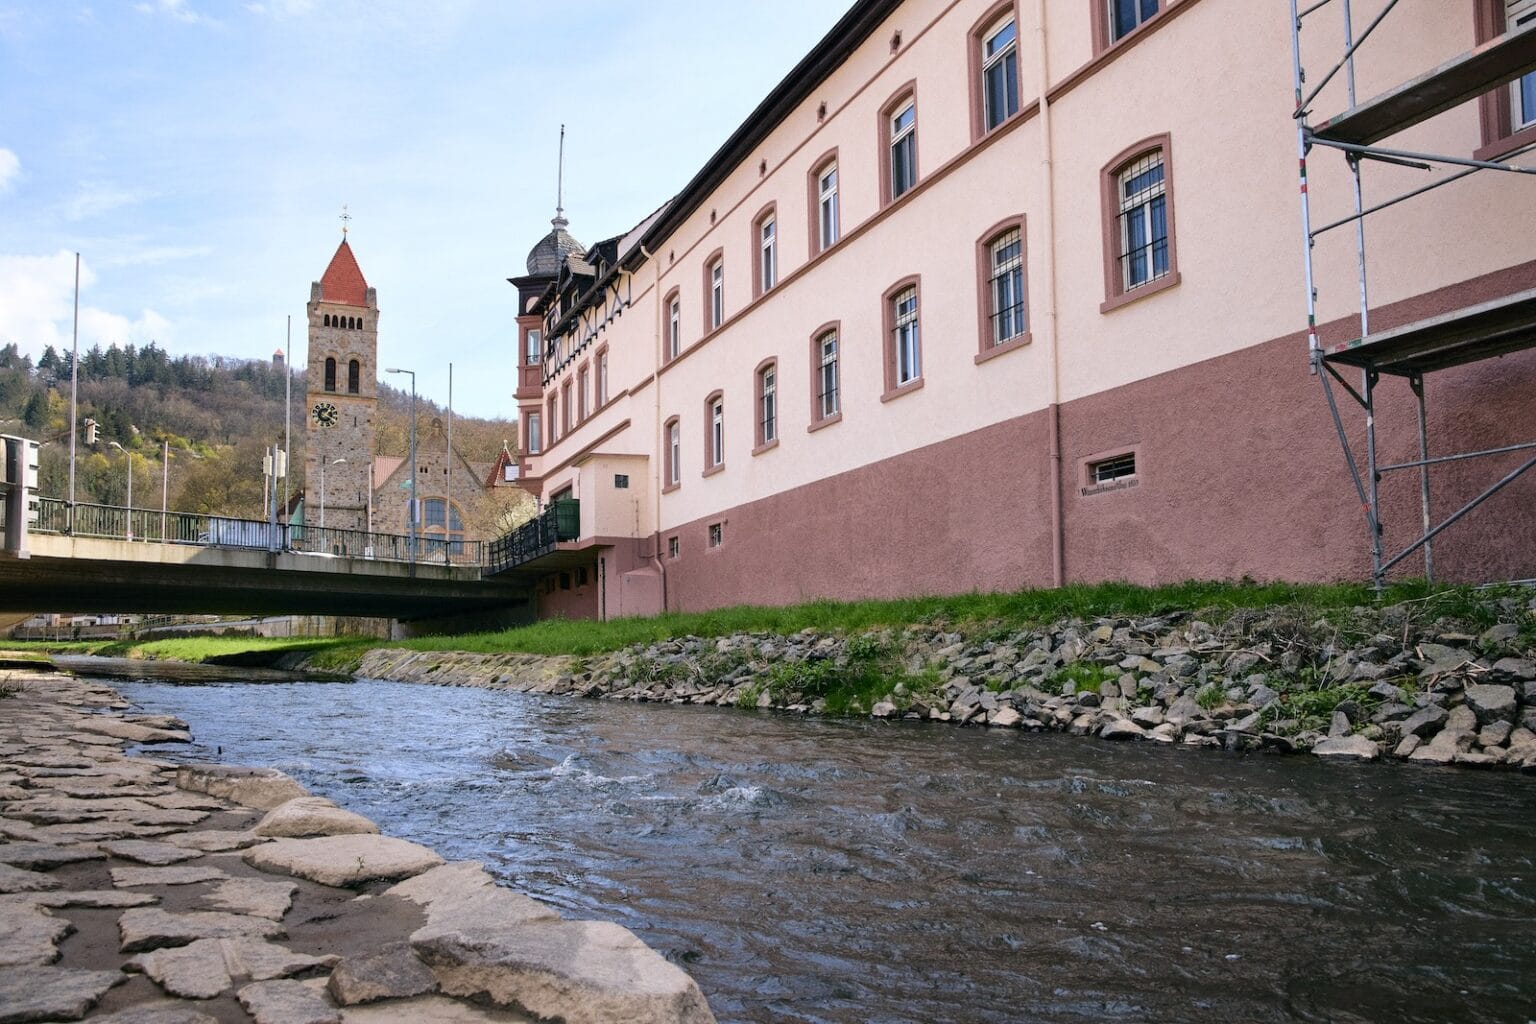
{"x":333,"y":462}
{"x":412,"y":520}
{"x":128,"y":459}
{"x":165,"y":484}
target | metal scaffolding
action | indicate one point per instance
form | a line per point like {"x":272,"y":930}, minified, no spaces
{"x":1410,"y":351}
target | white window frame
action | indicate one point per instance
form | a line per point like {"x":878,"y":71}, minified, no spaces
{"x":827,"y":219}
{"x":535,"y":435}
{"x":767,"y":252}
{"x":553,"y":425}
{"x":675,"y":327}
{"x":584,"y":394}
{"x":535,"y":347}
{"x":768,"y":403}
{"x":1005,"y":287}
{"x":906,"y":336}
{"x":602,"y":379}
{"x":1139,"y":206}
{"x":717,"y":433}
{"x":717,"y":293}
{"x":674,"y":453}
{"x":1139,"y":17}
{"x":903,"y":148}
{"x":1004,"y":61}
{"x":1522,"y":115}
{"x":829,"y":390}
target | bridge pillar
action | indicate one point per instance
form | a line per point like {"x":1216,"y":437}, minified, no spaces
{"x":20,"y":489}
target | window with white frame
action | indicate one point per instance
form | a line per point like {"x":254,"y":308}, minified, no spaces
{"x":674,"y":326}
{"x":535,"y":347}
{"x":827,"y":224}
{"x":674,"y":453}
{"x":1143,"y":221}
{"x":716,"y":453}
{"x":1118,"y":467}
{"x":535,"y":441}
{"x":1005,"y":289}
{"x":828,"y":399}
{"x":905,"y":340}
{"x":767,"y":253}
{"x":584,"y":395}
{"x":903,"y":129}
{"x":674,"y":548}
{"x":767,"y":404}
{"x":1522,"y":101}
{"x":1126,"y":15}
{"x":554,"y":418}
{"x":1000,"y":72}
{"x":716,"y":534}
{"x":602,"y":378}
{"x":716,"y":293}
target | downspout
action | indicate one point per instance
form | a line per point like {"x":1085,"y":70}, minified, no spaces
{"x":1048,"y":319}
{"x":659,"y":463}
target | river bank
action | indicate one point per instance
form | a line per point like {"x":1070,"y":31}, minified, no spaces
{"x":1404,"y":681}
{"x":154,"y":893}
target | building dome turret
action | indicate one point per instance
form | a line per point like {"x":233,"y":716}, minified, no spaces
{"x":549,"y":255}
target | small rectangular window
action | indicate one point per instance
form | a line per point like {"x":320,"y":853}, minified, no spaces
{"x":674,"y":327}
{"x":535,"y":442}
{"x":581,"y":576}
{"x":565,"y":581}
{"x":1127,"y":15}
{"x":1000,"y":73}
{"x":674,"y":453}
{"x":673,"y":547}
{"x":535,"y":350}
{"x":1109,"y":470}
{"x":621,"y":481}
{"x":903,"y":149}
{"x":602,"y":378}
{"x":716,"y":294}
{"x":827,"y":222}
{"x":768,"y":268}
{"x":767,"y":405}
{"x":717,"y":432}
{"x":716,"y":534}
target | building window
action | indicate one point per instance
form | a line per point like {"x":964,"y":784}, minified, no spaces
{"x":583,"y":393}
{"x":602,"y":376}
{"x":330,"y":374}
{"x":714,"y":439}
{"x":533,"y":351}
{"x":767,"y":387}
{"x":1140,"y":254}
{"x":1522,"y":102}
{"x":904,"y":351}
{"x":621,"y":481}
{"x":674,"y":452}
{"x":1125,"y":16}
{"x":534,"y":442}
{"x":901,"y":135}
{"x":674,"y":325}
{"x":673,"y":547}
{"x":999,"y":55}
{"x":825,"y":384}
{"x":554,"y":417}
{"x":442,"y":528}
{"x":766,"y":252}
{"x":1006,"y":313}
{"x":1118,"y":467}
{"x":828,"y":226}
{"x":566,"y":410}
{"x":354,"y":376}
{"x":1508,"y":114}
{"x":716,"y":534}
{"x":714,"y":292}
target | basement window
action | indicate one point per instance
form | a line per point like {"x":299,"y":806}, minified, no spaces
{"x":1111,"y":472}
{"x":716,"y":534}
{"x":673,"y":547}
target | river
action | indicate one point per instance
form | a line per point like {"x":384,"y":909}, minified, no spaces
{"x":858,"y":872}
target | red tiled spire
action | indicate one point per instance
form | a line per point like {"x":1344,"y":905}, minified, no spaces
{"x":343,"y":279}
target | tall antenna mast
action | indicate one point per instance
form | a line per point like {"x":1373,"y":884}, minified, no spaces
{"x":560,"y":220}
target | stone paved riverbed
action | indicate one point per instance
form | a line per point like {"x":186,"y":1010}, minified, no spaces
{"x":136,"y":891}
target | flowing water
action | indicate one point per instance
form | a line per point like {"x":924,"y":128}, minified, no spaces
{"x":861,"y":872}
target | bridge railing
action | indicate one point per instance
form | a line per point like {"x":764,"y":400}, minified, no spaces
{"x":561,"y":520}
{"x":113,"y":522}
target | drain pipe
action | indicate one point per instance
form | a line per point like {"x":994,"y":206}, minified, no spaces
{"x":1048,"y":319}
{"x":659,"y":464}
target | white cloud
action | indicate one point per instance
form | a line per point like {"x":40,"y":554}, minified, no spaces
{"x":176,"y":9}
{"x":10,"y":167}
{"x":37,"y":297}
{"x":95,"y":199}
{"x":281,"y":8}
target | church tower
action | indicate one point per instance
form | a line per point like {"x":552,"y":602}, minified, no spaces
{"x":341,"y":393}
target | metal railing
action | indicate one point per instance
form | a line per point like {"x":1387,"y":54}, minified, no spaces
{"x":560,"y":521}
{"x":113,"y":522}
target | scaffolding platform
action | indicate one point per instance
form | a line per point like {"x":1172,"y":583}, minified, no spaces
{"x":1500,"y":60}
{"x":1489,"y":329}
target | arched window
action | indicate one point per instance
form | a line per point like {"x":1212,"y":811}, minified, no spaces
{"x":330,"y":373}
{"x":354,"y":375}
{"x":442,"y":528}
{"x":326,"y":320}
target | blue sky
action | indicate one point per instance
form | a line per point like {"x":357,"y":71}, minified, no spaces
{"x":197,"y":153}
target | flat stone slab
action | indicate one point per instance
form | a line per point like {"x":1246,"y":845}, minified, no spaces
{"x":343,"y":860}
{"x":287,"y":1002}
{"x":394,"y":972}
{"x":581,"y":972}
{"x":208,"y":967}
{"x":29,"y":935}
{"x":262,"y":788}
{"x":46,"y":855}
{"x":462,"y":895}
{"x":155,"y":854}
{"x":98,"y":831}
{"x":150,"y":928}
{"x":51,"y":993}
{"x":127,"y":878}
{"x":1347,"y":747}
{"x":312,"y":816}
{"x":214,"y":840}
{"x":21,"y":880}
{"x":97,"y":898}
{"x":131,"y":731}
{"x":165,"y":1012}
{"x":257,"y":897}
{"x":428,"y":1010}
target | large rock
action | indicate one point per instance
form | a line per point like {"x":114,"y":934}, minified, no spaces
{"x":312,"y":816}
{"x":215,"y":840}
{"x":51,"y":993}
{"x":154,"y":854}
{"x":1423,"y":722}
{"x":580,"y":972}
{"x":1122,"y":729}
{"x":127,"y":878}
{"x":1491,"y":703}
{"x":151,"y":928}
{"x":261,"y":788}
{"x":119,"y":729}
{"x":208,"y":967}
{"x":1444,"y":748}
{"x":21,"y":880}
{"x":1350,"y":747}
{"x":343,"y":860}
{"x":164,"y":1012}
{"x":394,"y":972}
{"x":287,"y":1002}
{"x":29,"y":934}
{"x":427,"y":1010}
{"x":45,"y":855}
{"x":96,"y":898}
{"x":258,"y":897}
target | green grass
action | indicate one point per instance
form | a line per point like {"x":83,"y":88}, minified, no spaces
{"x":996,"y":613}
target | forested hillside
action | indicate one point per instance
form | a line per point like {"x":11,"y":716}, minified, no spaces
{"x":217,"y":415}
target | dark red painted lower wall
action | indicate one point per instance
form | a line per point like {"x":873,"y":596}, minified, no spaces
{"x":1239,"y":473}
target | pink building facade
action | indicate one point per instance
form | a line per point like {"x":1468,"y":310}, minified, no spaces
{"x":993,"y":295}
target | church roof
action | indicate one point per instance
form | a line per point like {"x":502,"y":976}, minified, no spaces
{"x":548,"y":256}
{"x":343,"y":280}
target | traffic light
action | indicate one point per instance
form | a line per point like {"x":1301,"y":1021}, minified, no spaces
{"x":90,"y":431}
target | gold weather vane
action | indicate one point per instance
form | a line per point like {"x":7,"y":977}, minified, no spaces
{"x":346,"y":219}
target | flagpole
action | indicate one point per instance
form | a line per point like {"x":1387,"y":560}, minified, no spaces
{"x":74,"y":389}
{"x":448,"y":513}
{"x":288,"y":412}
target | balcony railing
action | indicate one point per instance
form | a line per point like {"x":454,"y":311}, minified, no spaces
{"x":537,"y":537}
